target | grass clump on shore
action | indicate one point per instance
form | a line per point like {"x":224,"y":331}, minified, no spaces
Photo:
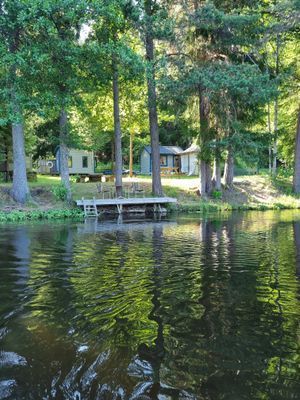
{"x":16,"y":216}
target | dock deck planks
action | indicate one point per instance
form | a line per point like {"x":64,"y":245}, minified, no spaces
{"x":157,"y":202}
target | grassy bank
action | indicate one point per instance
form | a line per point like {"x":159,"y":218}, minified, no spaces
{"x":248,"y":193}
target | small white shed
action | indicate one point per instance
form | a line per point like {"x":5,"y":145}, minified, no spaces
{"x":189,"y":160}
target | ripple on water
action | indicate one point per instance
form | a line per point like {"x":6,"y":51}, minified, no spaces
{"x":7,"y":388}
{"x":11,"y":359}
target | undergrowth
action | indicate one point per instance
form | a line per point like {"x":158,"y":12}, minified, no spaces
{"x":15,"y":216}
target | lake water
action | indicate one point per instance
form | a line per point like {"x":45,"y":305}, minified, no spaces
{"x":184,"y":308}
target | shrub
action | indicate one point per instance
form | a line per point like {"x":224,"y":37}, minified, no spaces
{"x":59,"y":192}
{"x":216,"y":194}
{"x":16,"y":216}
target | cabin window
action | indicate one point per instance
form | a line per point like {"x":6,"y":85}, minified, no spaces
{"x":70,"y":162}
{"x":84,"y":161}
{"x":163,"y":161}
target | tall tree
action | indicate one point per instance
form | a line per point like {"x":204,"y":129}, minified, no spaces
{"x":60,"y":58}
{"x":112,"y":39}
{"x":152,"y":100}
{"x":17,"y":40}
{"x":216,"y":41}
{"x":152,"y":19}
{"x":117,"y":129}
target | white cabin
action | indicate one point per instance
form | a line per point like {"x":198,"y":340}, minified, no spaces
{"x":81,"y":162}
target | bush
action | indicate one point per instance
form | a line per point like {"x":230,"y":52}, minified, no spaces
{"x":59,"y":192}
{"x":216,"y":194}
{"x":285,"y":172}
{"x":75,"y":178}
{"x":16,"y":216}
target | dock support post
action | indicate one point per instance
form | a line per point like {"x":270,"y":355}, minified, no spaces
{"x":157,"y":208}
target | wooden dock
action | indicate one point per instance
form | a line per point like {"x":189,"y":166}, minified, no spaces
{"x":92,"y":207}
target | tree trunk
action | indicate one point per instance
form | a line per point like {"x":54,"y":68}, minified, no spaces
{"x":274,"y":167}
{"x":113,"y":155}
{"x":208,"y":188}
{"x":203,"y":170}
{"x":6,"y":166}
{"x":205,"y":177}
{"x":152,"y":104}
{"x":216,"y":179}
{"x":64,"y":153}
{"x":296,"y":180}
{"x":131,"y":155}
{"x":20,"y":190}
{"x":229,"y":168}
{"x":270,"y":139}
{"x":117,"y":131}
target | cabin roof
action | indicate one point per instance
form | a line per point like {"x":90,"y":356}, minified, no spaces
{"x":194,"y":148}
{"x":166,"y":150}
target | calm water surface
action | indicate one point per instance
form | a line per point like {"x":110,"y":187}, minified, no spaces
{"x":187,"y":308}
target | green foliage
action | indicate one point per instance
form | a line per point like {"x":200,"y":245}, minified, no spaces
{"x":216,"y":194}
{"x":60,"y":192}
{"x":284,"y":172}
{"x":17,"y":216}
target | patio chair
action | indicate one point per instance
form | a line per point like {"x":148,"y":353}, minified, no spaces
{"x":136,"y":189}
{"x":104,"y":190}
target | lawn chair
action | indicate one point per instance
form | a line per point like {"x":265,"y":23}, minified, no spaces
{"x":136,"y":189}
{"x":104,"y":190}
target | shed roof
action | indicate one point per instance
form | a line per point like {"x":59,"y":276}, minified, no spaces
{"x":166,"y":150}
{"x":194,"y":148}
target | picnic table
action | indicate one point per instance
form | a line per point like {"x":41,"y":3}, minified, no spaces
{"x":169,"y":170}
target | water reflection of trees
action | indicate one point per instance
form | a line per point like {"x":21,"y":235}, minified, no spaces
{"x":296,"y":227}
{"x":242,"y":336}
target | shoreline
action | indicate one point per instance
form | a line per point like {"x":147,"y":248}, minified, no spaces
{"x":77,"y":213}
{"x":248,"y":193}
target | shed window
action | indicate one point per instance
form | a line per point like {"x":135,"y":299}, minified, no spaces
{"x":70,"y":162}
{"x":163,"y":161}
{"x":84,"y":161}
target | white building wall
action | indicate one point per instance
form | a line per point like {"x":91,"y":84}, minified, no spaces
{"x":190,"y":163}
{"x":145,"y":162}
{"x":170,"y":161}
{"x":43,"y":166}
{"x":194,"y":164}
{"x":77,"y":167}
{"x":185,"y":163}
